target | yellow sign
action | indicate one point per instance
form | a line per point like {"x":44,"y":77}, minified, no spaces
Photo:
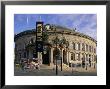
{"x":39,"y":27}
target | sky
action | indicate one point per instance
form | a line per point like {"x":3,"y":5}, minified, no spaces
{"x":84,"y":23}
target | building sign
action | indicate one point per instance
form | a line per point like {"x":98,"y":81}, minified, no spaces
{"x":39,"y":30}
{"x":39,"y":46}
{"x":39,"y":41}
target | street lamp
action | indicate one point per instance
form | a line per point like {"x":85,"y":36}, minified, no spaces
{"x":56,"y":41}
{"x":63,"y":44}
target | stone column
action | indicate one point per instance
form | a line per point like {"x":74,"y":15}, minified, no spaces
{"x":39,"y":55}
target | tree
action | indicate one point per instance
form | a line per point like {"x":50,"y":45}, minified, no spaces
{"x":45,"y":36}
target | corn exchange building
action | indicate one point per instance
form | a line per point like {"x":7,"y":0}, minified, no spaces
{"x":59,"y":43}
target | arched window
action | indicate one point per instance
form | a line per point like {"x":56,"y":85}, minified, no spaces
{"x":89,"y":57}
{"x":78,"y":46}
{"x":94,"y":50}
{"x":73,"y":56}
{"x":83,"y":57}
{"x":86,"y":57}
{"x":71,"y":45}
{"x":83,"y":47}
{"x":86,"y":47}
{"x":78,"y":56}
{"x":95,"y":58}
{"x":74,"y":46}
{"x":89,"y":48}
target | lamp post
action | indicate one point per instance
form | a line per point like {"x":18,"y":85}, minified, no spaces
{"x":63,"y":43}
{"x":56,"y":40}
{"x":56,"y":56}
{"x":61,"y":64}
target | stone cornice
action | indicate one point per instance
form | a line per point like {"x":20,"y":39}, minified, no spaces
{"x":69,"y":32}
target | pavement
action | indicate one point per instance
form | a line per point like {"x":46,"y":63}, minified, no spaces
{"x":46,"y":70}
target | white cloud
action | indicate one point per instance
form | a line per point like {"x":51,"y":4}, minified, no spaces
{"x":90,"y":28}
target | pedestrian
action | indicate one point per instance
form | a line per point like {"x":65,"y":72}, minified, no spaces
{"x":37,"y":64}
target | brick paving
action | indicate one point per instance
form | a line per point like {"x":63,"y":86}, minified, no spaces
{"x":46,"y":70}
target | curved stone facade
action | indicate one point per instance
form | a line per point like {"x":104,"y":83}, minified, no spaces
{"x":80,"y":50}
